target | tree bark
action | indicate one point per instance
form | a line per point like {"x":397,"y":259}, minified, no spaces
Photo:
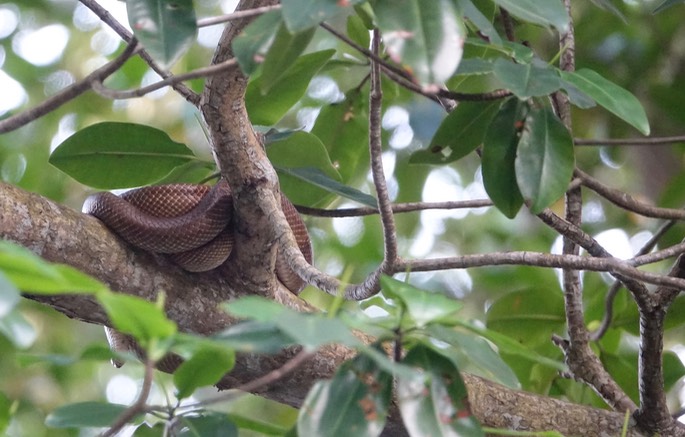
{"x":62,"y":235}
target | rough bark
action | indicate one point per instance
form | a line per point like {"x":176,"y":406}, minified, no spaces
{"x":60,"y":234}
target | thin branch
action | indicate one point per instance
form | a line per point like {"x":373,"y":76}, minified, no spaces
{"x":376,"y":153}
{"x":616,"y":286}
{"x":508,"y":24}
{"x":139,"y":406}
{"x":397,"y":208}
{"x":67,"y":94}
{"x":99,"y":87}
{"x":626,"y":201}
{"x":236,"y":15}
{"x":104,"y":15}
{"x":654,"y":141}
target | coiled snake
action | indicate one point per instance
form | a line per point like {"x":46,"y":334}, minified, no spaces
{"x":190,"y":224}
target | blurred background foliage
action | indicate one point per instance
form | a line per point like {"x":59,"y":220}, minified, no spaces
{"x":642,"y":52}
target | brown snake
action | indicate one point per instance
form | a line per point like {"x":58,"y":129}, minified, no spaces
{"x":191,"y":224}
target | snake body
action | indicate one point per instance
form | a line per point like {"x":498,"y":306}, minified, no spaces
{"x":191,"y":224}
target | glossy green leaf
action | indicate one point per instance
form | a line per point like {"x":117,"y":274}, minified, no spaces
{"x":426,"y":38}
{"x":434,"y":401}
{"x":355,"y":402}
{"x":253,"y":38}
{"x":545,"y":159}
{"x":132,"y":315}
{"x":255,"y":308}
{"x":615,"y":99}
{"x":84,"y":414}
{"x":666,"y":4}
{"x":343,"y":128}
{"x":267,"y":109}
{"x":357,"y":31}
{"x":316,"y":177}
{"x":205,"y":367}
{"x":31,"y":273}
{"x":9,"y":294}
{"x":422,"y":306}
{"x":282,"y":54}
{"x":459,"y":134}
{"x":528,"y":316}
{"x":673,"y":369}
{"x":472,"y":353}
{"x":297,"y":151}
{"x":209,"y":424}
{"x":119,"y":155}
{"x":526,"y":80}
{"x":303,"y":14}
{"x":166,"y":28}
{"x":499,"y":154}
{"x":18,"y":330}
{"x":542,"y":12}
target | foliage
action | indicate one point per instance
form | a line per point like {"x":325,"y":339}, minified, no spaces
{"x":308,"y":92}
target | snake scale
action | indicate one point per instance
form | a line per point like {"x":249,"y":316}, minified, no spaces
{"x":191,"y":224}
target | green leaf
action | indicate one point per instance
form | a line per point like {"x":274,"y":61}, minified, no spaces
{"x":282,"y":54}
{"x":31,"y":273}
{"x":206,"y":367}
{"x":165,"y":27}
{"x":252,"y":39}
{"x":267,"y":109}
{"x":357,"y":31}
{"x":545,"y":159}
{"x":5,"y":412}
{"x":84,"y":415}
{"x":254,"y":337}
{"x":119,"y":155}
{"x":666,"y":4}
{"x":499,"y":154}
{"x":132,"y":315}
{"x":297,"y":151}
{"x":512,"y":346}
{"x":343,"y":128}
{"x":209,"y":424}
{"x":459,"y":134}
{"x":528,"y":316}
{"x":317,"y":178}
{"x":355,"y":402}
{"x":434,"y":401}
{"x":256,"y":308}
{"x":303,"y":14}
{"x":472,"y":353}
{"x":615,"y":99}
{"x":609,"y":6}
{"x":526,"y":80}
{"x":426,"y":38}
{"x":484,"y":24}
{"x":9,"y":294}
{"x":422,"y":306}
{"x":542,"y":12}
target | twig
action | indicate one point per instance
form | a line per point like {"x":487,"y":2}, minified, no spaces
{"x":397,"y":208}
{"x":171,"y":80}
{"x":626,"y":201}
{"x":629,"y":141}
{"x":137,"y":407}
{"x":376,"y":153}
{"x":507,"y":23}
{"x":236,"y":15}
{"x":104,"y":15}
{"x":69,"y":93}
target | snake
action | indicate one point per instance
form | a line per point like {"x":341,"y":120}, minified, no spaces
{"x":191,"y":224}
